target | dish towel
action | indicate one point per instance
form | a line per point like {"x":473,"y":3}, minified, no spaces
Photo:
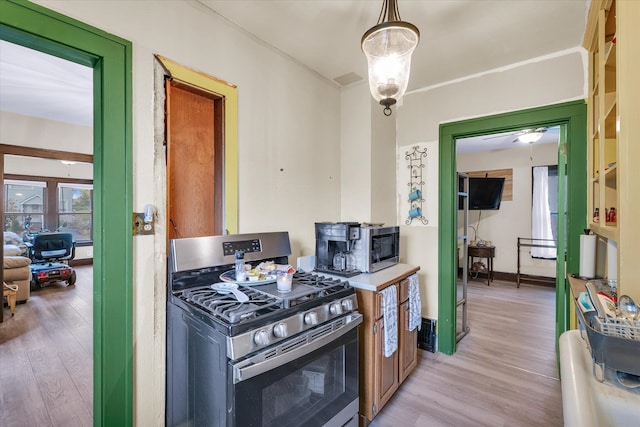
{"x":390,"y":312}
{"x":415,"y":305}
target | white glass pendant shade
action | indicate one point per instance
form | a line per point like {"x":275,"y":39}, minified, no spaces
{"x":388,"y":52}
{"x":388,"y":47}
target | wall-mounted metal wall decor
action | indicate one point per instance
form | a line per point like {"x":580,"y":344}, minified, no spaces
{"x":416,"y":164}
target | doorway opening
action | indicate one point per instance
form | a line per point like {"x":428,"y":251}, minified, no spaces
{"x":33,"y":26}
{"x":571,"y":117}
{"x":499,"y":209}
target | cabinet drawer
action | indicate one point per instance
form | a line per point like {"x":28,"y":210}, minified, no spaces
{"x":379,"y":312}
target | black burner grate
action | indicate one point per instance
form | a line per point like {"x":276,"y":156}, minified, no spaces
{"x":308,"y":288}
{"x":227,"y":307}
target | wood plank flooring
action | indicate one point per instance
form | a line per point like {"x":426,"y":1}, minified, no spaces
{"x":46,"y":352}
{"x":504,"y":372}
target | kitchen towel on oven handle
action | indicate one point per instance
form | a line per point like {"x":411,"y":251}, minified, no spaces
{"x":390,"y":313}
{"x":415,"y":304}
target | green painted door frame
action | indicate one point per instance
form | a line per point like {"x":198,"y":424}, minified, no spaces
{"x":38,"y":28}
{"x":571,"y":116}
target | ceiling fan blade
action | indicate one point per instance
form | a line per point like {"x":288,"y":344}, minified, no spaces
{"x":502,"y":135}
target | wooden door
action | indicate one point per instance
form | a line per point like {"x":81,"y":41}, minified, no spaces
{"x":194,"y":161}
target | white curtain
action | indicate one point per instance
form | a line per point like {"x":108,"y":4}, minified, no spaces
{"x":540,"y":213}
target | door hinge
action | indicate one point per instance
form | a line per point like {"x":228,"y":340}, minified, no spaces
{"x":373,"y":409}
{"x":375,"y":329}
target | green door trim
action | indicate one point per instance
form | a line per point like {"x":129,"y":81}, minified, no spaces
{"x":573,"y":116}
{"x":39,"y":28}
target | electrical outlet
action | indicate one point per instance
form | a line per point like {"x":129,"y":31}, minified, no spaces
{"x":140,"y":227}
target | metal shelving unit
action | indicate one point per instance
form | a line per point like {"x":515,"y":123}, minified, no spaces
{"x":463,"y":196}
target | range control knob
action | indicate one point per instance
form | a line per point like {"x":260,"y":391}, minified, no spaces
{"x":335,"y":308}
{"x":347,"y":305}
{"x":261,"y":337}
{"x":311,"y":318}
{"x":280,"y":330}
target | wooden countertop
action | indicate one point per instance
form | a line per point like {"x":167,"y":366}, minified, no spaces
{"x":577,"y":285}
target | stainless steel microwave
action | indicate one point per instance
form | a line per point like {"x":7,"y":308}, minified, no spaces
{"x":377,"y":248}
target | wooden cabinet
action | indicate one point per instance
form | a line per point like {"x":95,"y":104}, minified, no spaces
{"x":381,"y":376}
{"x":612,"y":38}
{"x":386,"y":374}
{"x":407,"y":342}
{"x":603,"y":113}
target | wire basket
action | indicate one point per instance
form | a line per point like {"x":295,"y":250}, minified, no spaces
{"x":609,"y":346}
{"x":619,"y":327}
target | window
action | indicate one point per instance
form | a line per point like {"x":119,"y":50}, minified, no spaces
{"x":75,"y":210}
{"x":49,"y":204}
{"x":24,"y":206}
{"x":544,"y":212}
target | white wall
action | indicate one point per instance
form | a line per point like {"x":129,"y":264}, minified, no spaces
{"x":289,"y":145}
{"x":513,"y":219}
{"x":545,"y":81}
{"x":17,"y":129}
{"x":355,"y":155}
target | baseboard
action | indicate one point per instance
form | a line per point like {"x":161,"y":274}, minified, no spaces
{"x":529,"y":279}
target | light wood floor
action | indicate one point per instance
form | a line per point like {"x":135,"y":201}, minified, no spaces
{"x":504,"y":372}
{"x":46,"y":368}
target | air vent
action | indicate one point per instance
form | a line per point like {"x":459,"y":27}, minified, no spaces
{"x":347,"y":79}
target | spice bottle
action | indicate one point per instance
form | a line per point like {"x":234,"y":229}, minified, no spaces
{"x":596,"y":215}
{"x":612,"y":215}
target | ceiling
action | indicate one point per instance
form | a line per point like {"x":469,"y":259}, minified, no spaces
{"x":36,"y":84}
{"x":458,"y":38}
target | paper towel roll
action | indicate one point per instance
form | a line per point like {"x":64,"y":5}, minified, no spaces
{"x":588,"y":255}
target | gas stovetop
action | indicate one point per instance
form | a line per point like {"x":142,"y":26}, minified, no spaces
{"x":266,"y":304}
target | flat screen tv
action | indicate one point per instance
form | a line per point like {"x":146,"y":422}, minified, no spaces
{"x":484,"y":193}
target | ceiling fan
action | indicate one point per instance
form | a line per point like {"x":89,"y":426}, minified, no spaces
{"x":526,"y":135}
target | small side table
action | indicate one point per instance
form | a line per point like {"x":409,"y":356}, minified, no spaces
{"x":10,"y":293}
{"x":488,"y":252}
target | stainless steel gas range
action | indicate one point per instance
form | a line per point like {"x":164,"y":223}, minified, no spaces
{"x":278,"y":359}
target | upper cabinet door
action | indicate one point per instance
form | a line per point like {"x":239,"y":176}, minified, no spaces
{"x":194,"y":162}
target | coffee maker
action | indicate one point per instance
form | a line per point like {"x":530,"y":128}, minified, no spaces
{"x":333,"y":247}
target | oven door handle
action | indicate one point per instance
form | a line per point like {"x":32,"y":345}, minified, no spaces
{"x":266,"y":361}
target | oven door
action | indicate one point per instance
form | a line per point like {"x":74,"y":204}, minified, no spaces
{"x":316,"y":385}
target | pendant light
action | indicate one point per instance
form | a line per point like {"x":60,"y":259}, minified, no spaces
{"x":388,"y":46}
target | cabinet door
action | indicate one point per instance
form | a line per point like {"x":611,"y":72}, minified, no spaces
{"x":385,"y":370}
{"x":407,"y":343}
{"x":194,"y":162}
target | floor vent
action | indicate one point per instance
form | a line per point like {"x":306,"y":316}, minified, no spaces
{"x":427,"y":335}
